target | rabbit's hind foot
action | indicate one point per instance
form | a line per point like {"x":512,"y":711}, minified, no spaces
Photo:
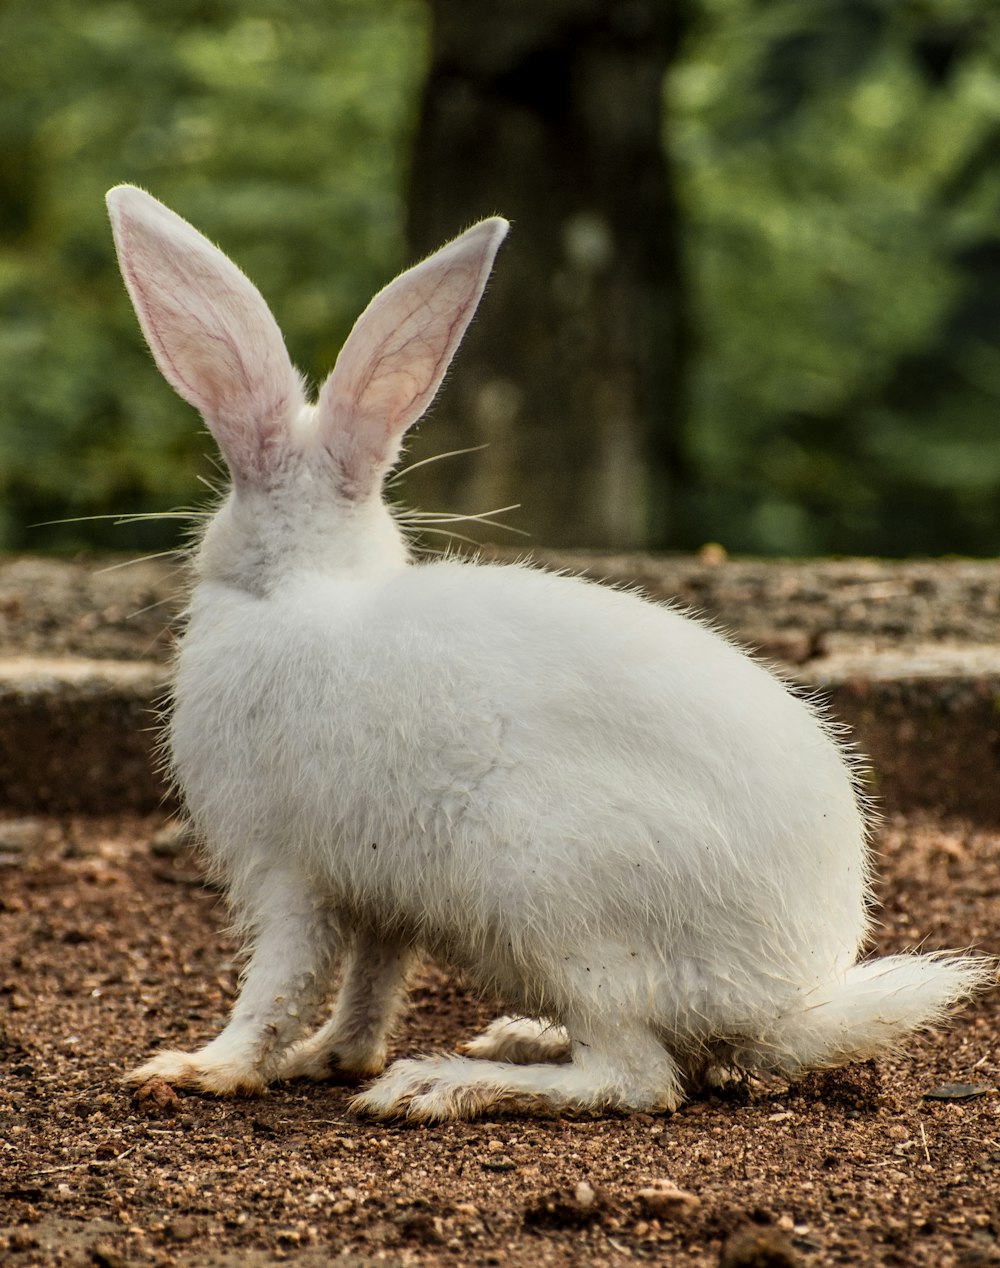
{"x":521,"y":1041}
{"x":439,"y":1089}
{"x":636,"y":1074}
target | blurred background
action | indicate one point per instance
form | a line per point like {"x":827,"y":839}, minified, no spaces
{"x":751,"y":296}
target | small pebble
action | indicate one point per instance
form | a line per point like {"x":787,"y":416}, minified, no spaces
{"x":959,"y":1092}
{"x":104,"y":1255}
{"x":182,"y":1229}
{"x":584,"y":1194}
{"x":759,"y":1248}
{"x":664,"y":1200}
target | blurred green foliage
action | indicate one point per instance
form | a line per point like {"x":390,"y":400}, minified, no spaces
{"x":839,"y":169}
{"x":278,"y":126}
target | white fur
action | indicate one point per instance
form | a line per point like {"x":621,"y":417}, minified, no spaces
{"x":595,"y":805}
{"x":522,"y":1040}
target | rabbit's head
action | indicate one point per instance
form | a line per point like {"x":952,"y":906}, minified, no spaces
{"x":306,"y":478}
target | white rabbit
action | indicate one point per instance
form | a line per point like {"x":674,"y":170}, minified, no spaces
{"x":594,"y":805}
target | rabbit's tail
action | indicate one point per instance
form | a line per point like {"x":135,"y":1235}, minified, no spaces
{"x":871,"y":1009}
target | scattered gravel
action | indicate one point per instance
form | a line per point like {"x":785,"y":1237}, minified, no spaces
{"x":109,"y":948}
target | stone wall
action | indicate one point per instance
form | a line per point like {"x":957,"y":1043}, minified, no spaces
{"x":906,"y":654}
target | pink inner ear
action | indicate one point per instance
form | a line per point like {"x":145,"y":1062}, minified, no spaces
{"x":198,"y":357}
{"x":395,"y":357}
{"x":211,"y":334}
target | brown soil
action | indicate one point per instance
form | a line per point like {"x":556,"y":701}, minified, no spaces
{"x":110,"y":946}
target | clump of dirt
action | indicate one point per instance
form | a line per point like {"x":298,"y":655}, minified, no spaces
{"x":109,"y":948}
{"x":857,"y":1087}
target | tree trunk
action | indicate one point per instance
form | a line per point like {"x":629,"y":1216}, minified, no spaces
{"x":551,"y":112}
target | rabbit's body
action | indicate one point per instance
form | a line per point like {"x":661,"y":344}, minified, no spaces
{"x":540,"y":818}
{"x":595,"y":805}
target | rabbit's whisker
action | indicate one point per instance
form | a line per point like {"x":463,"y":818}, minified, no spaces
{"x":128,"y":518}
{"x":142,"y":559}
{"x":423,"y":520}
{"x":448,"y":517}
{"x":150,"y":607}
{"x":444,"y":532}
{"x":451,"y":453}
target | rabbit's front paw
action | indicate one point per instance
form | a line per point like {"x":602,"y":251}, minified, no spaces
{"x":196,"y":1070}
{"x":321,"y":1064}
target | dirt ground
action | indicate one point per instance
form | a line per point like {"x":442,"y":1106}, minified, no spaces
{"x":111,"y":946}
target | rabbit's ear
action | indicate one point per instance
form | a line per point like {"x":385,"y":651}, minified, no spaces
{"x":213,"y":337}
{"x":396,"y":355}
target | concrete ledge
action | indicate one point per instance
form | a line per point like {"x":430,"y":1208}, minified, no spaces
{"x":79,"y":736}
{"x":928,"y":724}
{"x":907,"y":654}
